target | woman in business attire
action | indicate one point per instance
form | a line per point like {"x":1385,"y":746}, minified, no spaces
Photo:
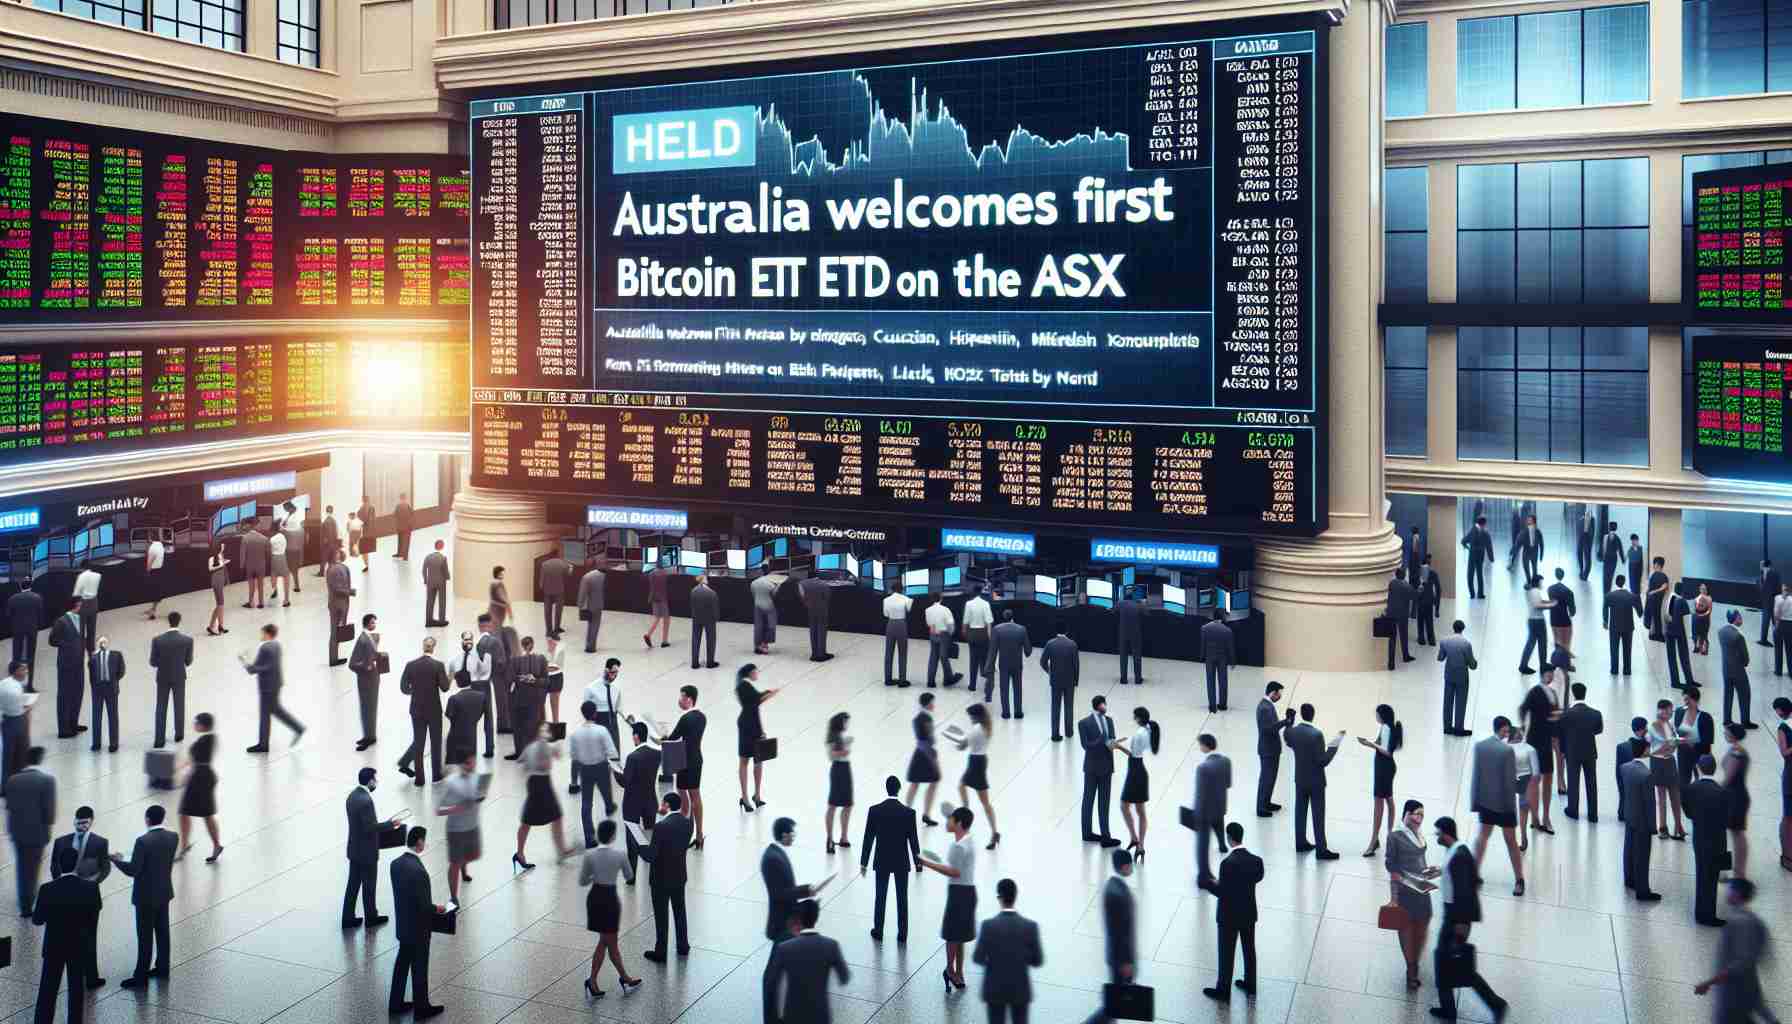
{"x":1701,"y":622}
{"x":499,"y":608}
{"x":1524,"y":760}
{"x":751,"y":730}
{"x":1135,"y":792}
{"x":603,"y":911}
{"x":1782,"y":741}
{"x":839,"y":778}
{"x":1735,"y":776}
{"x":1539,"y":713}
{"x":1664,"y":772}
{"x":1409,"y":879}
{"x":540,"y":805}
{"x":278,"y":567}
{"x":959,"y":924}
{"x":1383,"y":778}
{"x":219,"y":567}
{"x":355,"y":528}
{"x":556,"y":678}
{"x":924,"y":763}
{"x":976,"y":767}
{"x":199,"y":799}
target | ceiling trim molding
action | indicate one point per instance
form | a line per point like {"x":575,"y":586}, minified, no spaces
{"x":1558,"y":482}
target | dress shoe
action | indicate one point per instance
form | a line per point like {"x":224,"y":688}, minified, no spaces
{"x":1275,"y":806}
{"x":1265,"y":814}
{"x":1710,"y":922}
{"x":338,"y":661}
{"x":396,"y":1009}
{"x":1217,"y":995}
{"x":256,"y":750}
{"x":97,"y":982}
{"x":1329,"y":855}
{"x":876,"y":936}
{"x":113,"y":749}
{"x":712,"y":664}
{"x":351,"y":922}
{"x":134,"y":981}
{"x":361,"y":745}
{"x":80,"y":728}
{"x":686,"y":951}
{"x":1304,"y":847}
{"x":1090,"y":837}
{"x":654,"y":956}
{"x":406,"y":769}
{"x":1109,"y":844}
{"x":1648,"y":897}
{"x":376,"y":921}
{"x":426,"y":1012}
{"x":1526,"y":670}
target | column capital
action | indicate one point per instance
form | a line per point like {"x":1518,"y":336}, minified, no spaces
{"x":494,"y":528}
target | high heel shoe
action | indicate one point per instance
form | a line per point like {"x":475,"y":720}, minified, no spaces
{"x":465,"y":875}
{"x":757,"y":803}
{"x":843,"y":844}
{"x":958,"y":979}
{"x":592,"y":990}
{"x":946,"y":976}
{"x":830,"y":847}
{"x":993,"y":840}
{"x":746,"y":807}
{"x":1374,"y":845}
{"x":925,"y":820}
{"x":213,"y":859}
{"x":518,"y":864}
{"x":1139,"y":855}
{"x":629,"y":985}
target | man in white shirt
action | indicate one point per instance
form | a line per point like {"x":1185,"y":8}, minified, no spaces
{"x":278,"y":569}
{"x":1535,"y":635}
{"x":13,"y":737}
{"x":152,"y":569}
{"x":896,"y":609}
{"x":477,"y":668}
{"x":592,"y":749}
{"x":978,"y":618}
{"x":606,"y":694}
{"x":940,"y":627}
{"x":87,"y":591}
{"x":1782,"y":630}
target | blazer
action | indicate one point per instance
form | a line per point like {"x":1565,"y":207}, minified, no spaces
{"x":1464,"y":879}
{"x":591,"y":591}
{"x":781,"y":889}
{"x":169,"y":654}
{"x":890,"y":837}
{"x":1132,"y":625}
{"x":364,"y":657}
{"x":152,"y":865}
{"x":1217,"y":647}
{"x":802,"y":966}
{"x":1458,"y":656}
{"x":412,"y":904}
{"x":1734,"y":648}
{"x":1563,"y":612}
{"x":1098,"y":757}
{"x":815,"y":593}
{"x":1611,"y":549}
{"x":1493,"y":776}
{"x":1769,"y":586}
{"x":640,"y":798}
{"x":1311,"y":754}
{"x":426,"y":679}
{"x":1009,"y":644}
{"x":1639,"y":795}
{"x":1240,"y":872}
{"x":71,"y":649}
{"x":366,"y":514}
{"x":1677,"y":611}
{"x":706,"y":605}
{"x":30,"y":806}
{"x":25,"y":612}
{"x":114,"y":664}
{"x":1270,"y":724}
{"x":336,"y":581}
{"x":363,"y":827}
{"x":1007,"y":948}
{"x":68,"y":908}
{"x":96,"y":856}
{"x":1118,"y":915}
{"x":665,"y":850}
{"x":1059,"y":659}
{"x":463,"y":712}
{"x":1431,"y":590}
{"x":1399,"y":600}
{"x":435,"y":569}
{"x":403,"y":516}
{"x":1621,"y":610}
{"x":1580,"y":726}
{"x":1213,"y":776}
{"x":1633,"y":564}
{"x":266,"y":666}
{"x":1479,"y":544}
{"x":1708,"y":805}
{"x":556,"y":572}
{"x":1530,"y":538}
{"x":255,"y":553}
{"x":1627,"y":750}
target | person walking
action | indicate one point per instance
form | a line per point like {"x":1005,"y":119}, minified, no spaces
{"x":1096,"y":734}
{"x":1479,"y":545}
{"x":1270,"y":729}
{"x":416,"y":910}
{"x":1621,"y":612}
{"x":839,"y":747}
{"x":603,"y":909}
{"x":801,"y":968}
{"x":1389,"y":736}
{"x":105,"y":670}
{"x":152,"y":868}
{"x":540,"y":806}
{"x":1236,"y":916}
{"x":1135,"y":791}
{"x":1409,"y":887}
{"x":199,"y":798}
{"x":1453,"y":964}
{"x":891,"y":840}
{"x":424,"y":680}
{"x":404,"y":520}
{"x":171,"y":654}
{"x":1009,"y":648}
{"x":554,"y":575}
{"x":1493,"y":793}
{"x":1579,"y":730}
{"x":293,"y":529}
{"x":640,"y":792}
{"x":1540,"y":714}
{"x":1119,"y":917}
{"x":1530,"y":546}
{"x":706,"y":611}
{"x":71,"y":671}
{"x":959,"y":925}
{"x":1535,"y":637}
{"x":498,"y":598}
{"x":269,"y":678}
{"x":1007,"y":948}
{"x":976,"y":770}
{"x":924,"y":763}
{"x":1213,"y":777}
{"x":941,"y":630}
{"x":30,"y":796}
{"x":749,"y":731}
{"x":67,"y":907}
{"x":606,"y":693}
{"x":977,"y":621}
{"x":591,"y":750}
{"x":1525,"y":757}
{"x":1733,"y":646}
{"x":1733,"y":773}
{"x":1611,"y":550}
{"x":1739,"y":953}
{"x":256,"y":551}
{"x":459,"y":803}
{"x":1637,"y":785}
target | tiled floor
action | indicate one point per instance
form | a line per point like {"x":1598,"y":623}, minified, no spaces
{"x":256,"y":937}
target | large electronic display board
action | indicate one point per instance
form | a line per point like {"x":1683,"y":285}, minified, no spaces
{"x":1742,"y":388}
{"x":1073,"y":282}
{"x":1735,"y":267}
{"x":103,"y":224}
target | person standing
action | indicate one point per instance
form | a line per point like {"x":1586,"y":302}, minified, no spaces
{"x":269,"y":678}
{"x":256,"y":554}
{"x":959,"y":924}
{"x":1535,"y":637}
{"x":603,"y":909}
{"x":1697,"y":732}
{"x":689,"y":730}
{"x":1664,"y":771}
{"x":1415,"y":555}
{"x":606,"y":693}
{"x":1458,"y":656}
{"x":591,"y":604}
{"x":1627,"y":750}
{"x":460,"y":805}
{"x":369,"y":539}
{"x":1389,"y":736}
{"x":781,"y":889}
{"x":1733,"y":773}
{"x":1638,"y":812}
{"x":87,"y":591}
{"x":1452,"y":965}
{"x":1621,"y":612}
{"x":1530,"y":546}
{"x":293,"y":529}
{"x":896,"y":609}
{"x":472,"y":670}
{"x":1493,"y":792}
{"x":1633,"y":565}
{"x":152,"y":868}
{"x":435,"y":587}
{"x":199,"y":798}
{"x":706,"y":611}
{"x":498,"y":599}
{"x":554,"y":681}
{"x":105,"y":670}
{"x":71,"y":674}
{"x":1131,"y":615}
{"x":1398,"y":610}
{"x":1709,"y":808}
{"x":591,"y":750}
{"x":170,"y":654}
{"x":30,"y":811}
{"x":801,"y":967}
{"x":1270,"y":727}
{"x":978,"y":619}
{"x":1583,"y":541}
{"x":463,"y":711}
{"x":332,"y":540}
{"x":68,"y":909}
{"x":664,"y":853}
{"x":15,"y":728}
{"x":556,"y":574}
{"x":1096,"y":734}
{"x":1479,"y":544}
{"x":404,"y":520}
{"x":364,"y":662}
{"x":1679,"y":656}
{"x":416,"y":911}
{"x":1135,"y":790}
{"x":1767,"y":589}
{"x":1658,"y":593}
{"x":424,"y":680}
{"x":941,"y":629}
{"x":1062,"y":670}
{"x":976,"y":771}
{"x":924,"y":763}
{"x":816,"y":594}
{"x":1409,"y":887}
{"x":1701,"y":621}
{"x":1009,"y":648}
{"x":890,"y":838}
{"x":1561,"y":612}
{"x":364,"y":827}
{"x":1739,"y":952}
{"x":1782,"y":629}
{"x":749,"y":730}
{"x":494,"y":643}
{"x":839,"y":747}
{"x":764,"y":591}
{"x":540,"y":805}
{"x":1007,"y":948}
{"x":1213,"y":777}
{"x":338,"y":588}
{"x":24,"y":617}
{"x":1427,"y":595}
{"x":659,"y":605}
{"x":1611,"y":550}
{"x":1580,"y":728}
{"x":1119,"y":918}
{"x":528,"y":695}
{"x":639,"y":789}
{"x":1237,"y":916}
{"x":1539,"y":714}
{"x":1312,"y":753}
{"x":1218,"y":655}
{"x":1734,"y":648}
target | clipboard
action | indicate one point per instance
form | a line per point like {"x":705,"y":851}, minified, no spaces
{"x":636,"y":832}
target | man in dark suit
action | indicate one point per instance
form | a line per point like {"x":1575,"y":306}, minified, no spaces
{"x":640,"y":793}
{"x":1530,"y":546}
{"x":93,"y":862}
{"x":170,"y":654}
{"x":891,"y":840}
{"x":1096,"y":734}
{"x":816,"y":593}
{"x":1062,"y":670}
{"x":1561,"y":612}
{"x":105,"y":670}
{"x":1218,"y":654}
{"x":781,"y":891}
{"x":1213,"y":777}
{"x":152,"y":867}
{"x":404,"y":520}
{"x":801,"y":967}
{"x":435,"y":587}
{"x":1130,"y":615}
{"x":270,"y":676}
{"x":556,"y":576}
{"x":1007,"y":949}
{"x":1708,"y":805}
{"x":1458,"y":656}
{"x":1311,"y":755}
{"x":71,"y":664}
{"x":256,"y":554}
{"x":1633,"y":564}
{"x":1009,"y":648}
{"x":1120,"y":927}
{"x":1414,"y":555}
{"x":665,"y":853}
{"x":1428,"y":594}
{"x":331,"y":532}
{"x":1611,"y":552}
{"x":1626,"y":751}
{"x":30,"y":811}
{"x":1580,"y":728}
{"x":591,"y":604}
{"x":1583,"y":542}
{"x":1734,"y":649}
{"x":364,"y":662}
{"x":464,"y":711}
{"x":364,"y":827}
{"x":1621,"y":611}
{"x":416,"y":911}
{"x":1270,"y":726}
{"x":1479,"y":544}
{"x":1767,"y":587}
{"x":1679,"y":654}
{"x":425,"y":680}
{"x":706,"y":611}
{"x":338,"y":589}
{"x":68,"y":908}
{"x":1462,"y":908}
{"x":24,"y":617}
{"x":1399,"y":609}
{"x":1639,"y":826}
{"x":1237,"y":915}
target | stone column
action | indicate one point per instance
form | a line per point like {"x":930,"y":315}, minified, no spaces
{"x":492,"y":528}
{"x":1444,"y":533}
{"x":1319,"y":596}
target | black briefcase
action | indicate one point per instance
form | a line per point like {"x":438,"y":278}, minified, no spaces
{"x":1187,"y":816}
{"x":556,"y":731}
{"x":391,"y":838}
{"x":5,"y":951}
{"x":345,"y":634}
{"x":443,"y":923}
{"x":766,"y":749}
{"x":1384,"y":627}
{"x":673,"y":756}
{"x":1129,"y":1002}
{"x":384,"y":664}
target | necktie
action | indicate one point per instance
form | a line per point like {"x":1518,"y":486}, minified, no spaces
{"x":80,"y":846}
{"x":103,"y":666}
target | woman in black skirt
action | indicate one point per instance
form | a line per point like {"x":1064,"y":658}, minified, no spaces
{"x":1735,"y":776}
{"x":540,"y":805}
{"x":219,"y":567}
{"x":924,"y":764}
{"x":1383,"y":782}
{"x":959,"y":925}
{"x":199,"y":799}
{"x":1541,"y":714}
{"x":603,"y":911}
{"x":1135,"y":792}
{"x":752,"y":730}
{"x":976,"y":767}
{"x":839,"y":778}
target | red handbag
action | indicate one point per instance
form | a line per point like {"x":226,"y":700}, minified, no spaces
{"x":1392,"y":918}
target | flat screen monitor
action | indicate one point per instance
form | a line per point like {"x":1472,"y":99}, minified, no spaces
{"x":781,"y":548}
{"x":229,"y":515}
{"x":953,"y":577}
{"x":572,"y":550}
{"x":40,"y":556}
{"x":877,"y":574}
{"x":102,"y":540}
{"x":1100,"y":592}
{"x":59,"y":546}
{"x":737,"y":560}
{"x":1045,"y":590}
{"x":1175,"y":599}
{"x":1204,"y":599}
{"x":852,"y":565}
{"x":914,"y":582}
{"x":693,"y":559}
{"x":81,"y":541}
{"x":1129,"y":576}
{"x":1238,"y":600}
{"x":826,"y":562}
{"x":755,"y":555}
{"x":246,"y":510}
{"x":650,"y":559}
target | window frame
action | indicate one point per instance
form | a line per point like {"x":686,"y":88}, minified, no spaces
{"x":297,"y":53}
{"x":1516,"y":90}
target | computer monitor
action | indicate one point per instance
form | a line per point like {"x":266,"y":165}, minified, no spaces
{"x":572,"y":550}
{"x":693,"y":560}
{"x":877,"y":574}
{"x":650,"y":559}
{"x":781,"y":548}
{"x":103,"y":543}
{"x":81,"y":540}
{"x":914,"y":582}
{"x":1129,"y":576}
{"x":953,"y":577}
{"x":1175,"y":599}
{"x":826,"y":562}
{"x":40,"y":557}
{"x":246,"y":510}
{"x":1238,"y":600}
{"x":1045,"y":590}
{"x":1204,"y":599}
{"x":852,"y":565}
{"x":737,"y":560}
{"x":228,"y":515}
{"x":1100,"y":592}
{"x":755,"y":555}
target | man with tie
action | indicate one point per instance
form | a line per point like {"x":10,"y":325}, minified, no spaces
{"x":416,"y":910}
{"x":1399,"y":609}
{"x":1767,"y":587}
{"x":1708,"y":805}
{"x":591,"y":603}
{"x":435,"y":587}
{"x":1218,"y":655}
{"x":1458,"y":657}
{"x":1213,"y":777}
{"x":256,"y":555}
{"x":105,"y":670}
{"x":364,"y":827}
{"x":1653,"y":601}
{"x":1627,"y":750}
{"x":1428,"y":592}
{"x":1678,"y":653}
{"x":1459,"y":884}
{"x":1479,"y":544}
{"x":496,"y":644}
{"x":1009,"y":648}
{"x":24,"y":617}
{"x":472,"y":669}
{"x":896,"y":608}
{"x":1007,"y":948}
{"x":1561,"y":612}
{"x":1493,"y":794}
{"x":1312,"y":753}
{"x":706,"y":611}
{"x":1633,"y":564}
{"x":891,"y":841}
{"x":1270,"y":726}
{"x":1621,"y":612}
{"x":556,"y":575}
{"x":781,"y":889}
{"x":606,"y":694}
{"x":801,"y":967}
{"x":1611,"y":551}
{"x":332,"y":539}
{"x":424,"y":680}
{"x":1580,"y":728}
{"x":1583,"y":542}
{"x":1237,"y":915}
{"x":339,"y":589}
{"x":88,"y":851}
{"x":816,"y":594}
{"x":1096,"y":734}
{"x":1062,"y":671}
{"x":152,"y":867}
{"x":87,"y":592}
{"x":640,"y":792}
{"x":1530,"y":546}
{"x":1639,"y":826}
{"x":404,"y":520}
{"x":1131,"y":615}
{"x":667,"y":842}
{"x":270,"y":676}
{"x":1734,"y":648}
{"x":364,"y":662}
{"x":170,"y":654}
{"x":71,"y":664}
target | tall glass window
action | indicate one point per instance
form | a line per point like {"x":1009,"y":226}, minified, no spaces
{"x":1553,"y":232}
{"x":1407,"y":65}
{"x":1405,"y":278}
{"x":1730,"y":545}
{"x":128,"y":13}
{"x":521,"y":13}
{"x":1735,"y":47}
{"x":1553,"y":394}
{"x":1553,"y":59}
{"x":218,"y":23}
{"x":297,"y":43}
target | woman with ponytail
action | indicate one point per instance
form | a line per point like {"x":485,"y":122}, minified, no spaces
{"x":1135,"y":792}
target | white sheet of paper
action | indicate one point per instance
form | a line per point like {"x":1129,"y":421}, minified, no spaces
{"x":636,"y":832}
